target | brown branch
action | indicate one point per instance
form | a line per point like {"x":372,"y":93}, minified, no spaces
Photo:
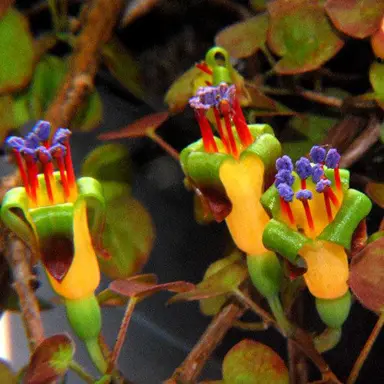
{"x":99,"y":23}
{"x":191,"y":367}
{"x":362,"y":144}
{"x":17,"y":256}
{"x":320,"y":98}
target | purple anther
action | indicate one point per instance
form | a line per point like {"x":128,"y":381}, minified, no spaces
{"x":57,"y":151}
{"x":317,"y":173}
{"x":285,"y":191}
{"x":304,"y":194}
{"x":317,"y":154}
{"x":333,"y":158}
{"x":322,"y":184}
{"x":60,"y":136}
{"x":29,"y":153}
{"x":42,"y":130}
{"x":284,"y":162}
{"x":32,"y":141}
{"x":43,"y":155}
{"x":15,"y":142}
{"x":303,"y":168}
{"x":284,"y":176}
{"x":226,"y":92}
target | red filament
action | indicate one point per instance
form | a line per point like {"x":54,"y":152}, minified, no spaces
{"x":337,"y":178}
{"x":328,"y":206}
{"x":47,"y":178}
{"x":303,"y":183}
{"x":220,"y":129}
{"x":286,"y":208}
{"x":230,"y":134}
{"x":204,"y":68}
{"x":329,"y":192}
{"x":63,"y":176}
{"x":308,"y":213}
{"x":23,"y":173}
{"x":32,"y":177}
{"x":240,"y":124}
{"x":69,"y":166}
{"x":206,"y":132}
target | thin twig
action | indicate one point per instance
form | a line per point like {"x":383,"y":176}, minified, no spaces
{"x":191,"y":367}
{"x":250,"y":326}
{"x":365,"y":351}
{"x":99,"y":23}
{"x":362,"y":144}
{"x":80,"y":371}
{"x":163,"y":144}
{"x":320,"y":98}
{"x":17,"y":257}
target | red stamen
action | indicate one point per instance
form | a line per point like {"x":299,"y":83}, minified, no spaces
{"x":328,"y":206}
{"x":32,"y":177}
{"x":337,"y":178}
{"x":204,"y":68}
{"x":208,"y":83}
{"x":63,"y":176}
{"x":303,"y":183}
{"x":206,"y":132}
{"x":23,"y":173}
{"x":71,"y":179}
{"x":47,"y":177}
{"x":308,"y":213}
{"x":329,"y":192}
{"x":220,"y":129}
{"x":230,"y":134}
{"x":241,"y":124}
{"x":286,"y":208}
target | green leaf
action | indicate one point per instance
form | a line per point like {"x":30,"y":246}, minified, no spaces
{"x":356,"y":18}
{"x":128,"y":237}
{"x":376,"y":192}
{"x":376,"y":77}
{"x":50,"y":360}
{"x":258,"y":5}
{"x":245,"y":38}
{"x":295,"y":149}
{"x":250,"y":362}
{"x":301,"y":33}
{"x":366,"y":277}
{"x":123,"y":67}
{"x":7,"y":121}
{"x":6,"y":374}
{"x":16,"y":52}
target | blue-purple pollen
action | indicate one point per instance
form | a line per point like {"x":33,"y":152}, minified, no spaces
{"x":333,"y":158}
{"x":284,"y":162}
{"x":303,"y":168}
{"x":317,"y":154}
{"x":317,"y":173}
{"x":322,"y":185}
{"x":304,"y":194}
{"x":210,"y":96}
{"x":284,"y":176}
{"x":42,"y":130}
{"x":286,"y":192}
{"x":60,"y":136}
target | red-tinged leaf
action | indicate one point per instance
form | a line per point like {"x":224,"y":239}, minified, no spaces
{"x":376,"y":192}
{"x":140,"y":289}
{"x":359,"y":238}
{"x":138,"y":128}
{"x":222,"y":282}
{"x":301,"y":33}
{"x":257,"y":99}
{"x":245,"y":38}
{"x":356,"y":18}
{"x":252,"y":362}
{"x":377,"y":41}
{"x":136,"y":9}
{"x":366,"y":277}
{"x":6,"y":374}
{"x":50,"y":360}
{"x":4,"y":5}
{"x":376,"y":77}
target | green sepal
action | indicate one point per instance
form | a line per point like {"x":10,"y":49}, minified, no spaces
{"x":84,"y":316}
{"x":280,"y":238}
{"x":354,"y":208}
{"x":221,"y":71}
{"x":334,"y":312}
{"x":15,"y":202}
{"x":266,"y":273}
{"x":91,"y":191}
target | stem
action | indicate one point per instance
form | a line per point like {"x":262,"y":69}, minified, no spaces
{"x":327,"y":339}
{"x":163,"y":144}
{"x":16,"y":254}
{"x":122,"y":333}
{"x":81,"y":372}
{"x":271,"y":60}
{"x":191,"y":367}
{"x":96,"y":354}
{"x":54,"y":14}
{"x":250,"y":326}
{"x":278,"y":312}
{"x":366,"y":349}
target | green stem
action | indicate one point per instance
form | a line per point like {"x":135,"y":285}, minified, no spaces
{"x":366,"y":349}
{"x":54,"y":14}
{"x":163,"y":144}
{"x":250,"y":326}
{"x":97,"y":357}
{"x":74,"y":366}
{"x":281,"y":319}
{"x":327,"y":339}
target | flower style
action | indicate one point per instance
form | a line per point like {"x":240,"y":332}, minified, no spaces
{"x":314,"y":216}
{"x":229,"y":170}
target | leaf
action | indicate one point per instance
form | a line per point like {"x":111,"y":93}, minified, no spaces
{"x":300,"y":32}
{"x":245,"y":38}
{"x":50,"y":360}
{"x":376,"y":192}
{"x":16,"y":52}
{"x":139,"y":128}
{"x":6,"y":116}
{"x":376,"y":77}
{"x":366,"y":277}
{"x":90,"y":114}
{"x":123,"y":67}
{"x":295,"y":149}
{"x":252,"y":362}
{"x":258,"y":99}
{"x":137,"y":9}
{"x":258,"y":5}
{"x":356,"y":18}
{"x":222,"y":282}
{"x":128,"y":237}
{"x":6,"y":374}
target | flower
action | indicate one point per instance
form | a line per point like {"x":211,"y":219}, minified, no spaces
{"x":229,"y":170}
{"x":55,"y":214}
{"x":319,"y":223}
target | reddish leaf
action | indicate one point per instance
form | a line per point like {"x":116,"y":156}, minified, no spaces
{"x":50,"y":360}
{"x":252,"y":362}
{"x":366,"y":277}
{"x":222,"y":282}
{"x":356,"y":18}
{"x":4,"y":5}
{"x":300,"y":32}
{"x":138,"y":128}
{"x":359,"y":238}
{"x":259,"y":100}
{"x":245,"y":38}
{"x":377,"y":41}
{"x":376,"y":192}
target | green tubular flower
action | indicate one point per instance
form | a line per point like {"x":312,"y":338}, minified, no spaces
{"x":62,"y":220}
